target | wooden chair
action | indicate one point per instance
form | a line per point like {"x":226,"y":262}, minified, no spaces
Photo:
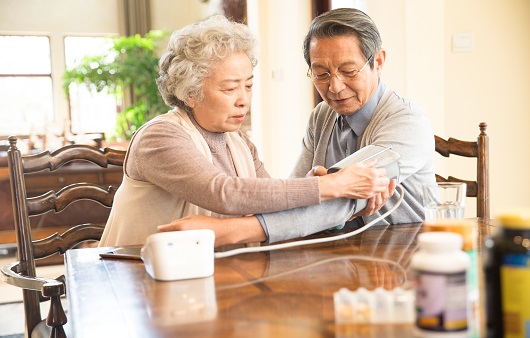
{"x":479,"y":149}
{"x":22,"y":273}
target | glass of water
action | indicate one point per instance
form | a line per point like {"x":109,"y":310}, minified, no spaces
{"x":444,"y":200}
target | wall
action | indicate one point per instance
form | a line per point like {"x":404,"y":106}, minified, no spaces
{"x":283,"y":99}
{"x":172,"y":15}
{"x":458,"y":90}
{"x":491,"y":84}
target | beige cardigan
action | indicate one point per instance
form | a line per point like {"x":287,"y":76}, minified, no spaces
{"x":139,"y":206}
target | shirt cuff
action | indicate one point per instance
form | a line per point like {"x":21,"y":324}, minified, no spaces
{"x":264,"y":226}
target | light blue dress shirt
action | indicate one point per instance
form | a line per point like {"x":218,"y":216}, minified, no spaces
{"x":345,"y":135}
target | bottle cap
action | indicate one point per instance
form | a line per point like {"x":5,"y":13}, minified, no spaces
{"x":466,"y":228}
{"x":518,"y":218}
{"x":440,"y":241}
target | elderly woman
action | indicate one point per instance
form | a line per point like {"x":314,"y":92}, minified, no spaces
{"x":195,"y":160}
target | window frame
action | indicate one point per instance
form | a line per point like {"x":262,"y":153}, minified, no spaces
{"x":61,"y":105}
{"x":68,"y":99}
{"x":30,"y":75}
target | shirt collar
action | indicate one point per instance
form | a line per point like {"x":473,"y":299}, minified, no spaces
{"x":359,"y":121}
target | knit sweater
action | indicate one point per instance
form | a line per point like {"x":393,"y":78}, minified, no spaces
{"x":164,"y":159}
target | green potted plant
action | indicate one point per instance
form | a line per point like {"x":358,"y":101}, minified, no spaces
{"x":130,"y":64}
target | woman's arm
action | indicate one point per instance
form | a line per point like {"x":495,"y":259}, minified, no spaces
{"x":282,"y":225}
{"x":165,"y":155}
{"x":227,"y":230}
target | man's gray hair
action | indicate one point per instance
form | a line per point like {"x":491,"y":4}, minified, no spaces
{"x":341,"y":22}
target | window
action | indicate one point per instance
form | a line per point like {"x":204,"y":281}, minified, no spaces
{"x":26,"y":103}
{"x":27,"y":100}
{"x":90,"y":111}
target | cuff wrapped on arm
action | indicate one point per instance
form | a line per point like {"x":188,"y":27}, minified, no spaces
{"x":304,"y":221}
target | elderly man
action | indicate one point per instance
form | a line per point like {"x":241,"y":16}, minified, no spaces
{"x":345,"y":58}
{"x":343,"y":50}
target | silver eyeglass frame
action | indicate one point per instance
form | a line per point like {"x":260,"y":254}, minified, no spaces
{"x":344,"y":77}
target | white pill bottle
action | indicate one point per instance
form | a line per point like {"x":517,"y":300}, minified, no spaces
{"x":440,"y":278}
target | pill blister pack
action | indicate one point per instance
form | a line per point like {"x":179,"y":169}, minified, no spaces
{"x":374,"y":306}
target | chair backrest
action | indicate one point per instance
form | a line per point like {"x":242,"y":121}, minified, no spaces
{"x":478,"y":188}
{"x":23,"y":273}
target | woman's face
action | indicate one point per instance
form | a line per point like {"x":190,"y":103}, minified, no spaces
{"x":227,"y":95}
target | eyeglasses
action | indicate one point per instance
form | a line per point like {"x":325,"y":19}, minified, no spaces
{"x":344,"y":75}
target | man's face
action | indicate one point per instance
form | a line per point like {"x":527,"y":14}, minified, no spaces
{"x":342,"y":56}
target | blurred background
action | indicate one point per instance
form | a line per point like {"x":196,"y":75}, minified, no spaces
{"x":464,"y":62}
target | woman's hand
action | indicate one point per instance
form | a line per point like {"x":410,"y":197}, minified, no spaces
{"x":357,"y":180}
{"x":227,"y":230}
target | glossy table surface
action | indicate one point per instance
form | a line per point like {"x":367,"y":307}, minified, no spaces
{"x":283,"y":293}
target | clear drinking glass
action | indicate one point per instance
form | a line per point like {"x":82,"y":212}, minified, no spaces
{"x":444,"y":200}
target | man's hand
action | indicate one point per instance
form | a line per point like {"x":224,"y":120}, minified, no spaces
{"x":317,"y":170}
{"x":376,"y":202}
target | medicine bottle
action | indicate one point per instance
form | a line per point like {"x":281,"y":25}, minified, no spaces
{"x":469,"y":231}
{"x":507,"y":275}
{"x":440,"y":278}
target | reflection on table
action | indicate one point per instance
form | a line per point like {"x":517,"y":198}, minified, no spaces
{"x":285,"y":293}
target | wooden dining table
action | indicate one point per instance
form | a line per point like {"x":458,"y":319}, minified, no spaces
{"x":281,"y":293}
